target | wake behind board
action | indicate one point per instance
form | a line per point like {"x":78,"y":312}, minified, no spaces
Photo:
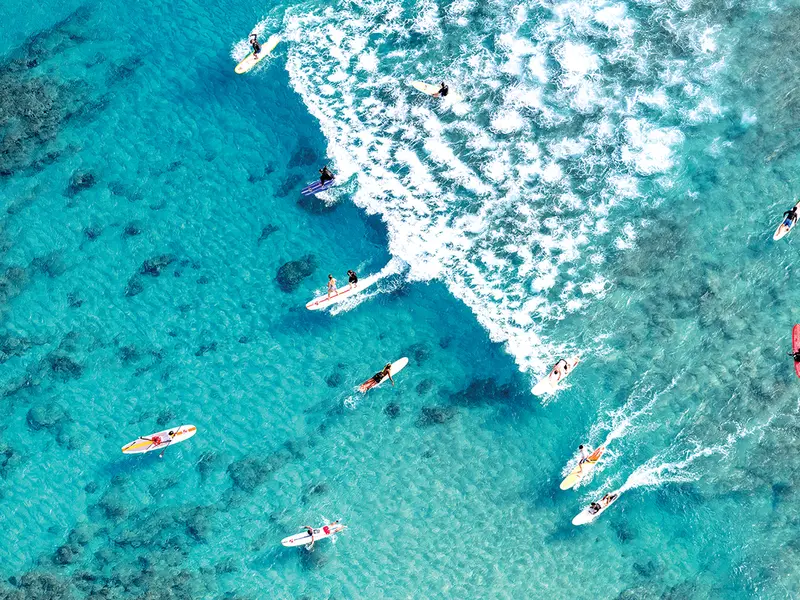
{"x":585,"y":516}
{"x":549,"y":384}
{"x":324,"y":301}
{"x":317,"y":187}
{"x":251,"y":61}
{"x":431,"y":90}
{"x":159,"y":440}
{"x":304,"y":537}
{"x":581,"y":470}
{"x":785,"y":227}
{"x":396,"y":367}
{"x":796,"y":346}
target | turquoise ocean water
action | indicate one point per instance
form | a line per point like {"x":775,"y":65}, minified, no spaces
{"x":609,"y":186}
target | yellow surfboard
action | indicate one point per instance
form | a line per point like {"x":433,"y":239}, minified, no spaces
{"x":251,"y":61}
{"x":581,"y":470}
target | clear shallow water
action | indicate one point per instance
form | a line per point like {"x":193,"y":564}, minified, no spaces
{"x":644,"y":123}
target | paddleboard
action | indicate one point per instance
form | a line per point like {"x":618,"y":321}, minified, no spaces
{"x":347,"y":292}
{"x":549,"y":384}
{"x":304,"y":537}
{"x":316,"y":187}
{"x":585,"y":517}
{"x":431,"y":89}
{"x":785,"y":227}
{"x":796,"y":346}
{"x":142,"y":445}
{"x":581,"y":470}
{"x":396,"y":367}
{"x":251,"y":61}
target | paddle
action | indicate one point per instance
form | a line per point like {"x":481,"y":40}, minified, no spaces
{"x":169,"y":442}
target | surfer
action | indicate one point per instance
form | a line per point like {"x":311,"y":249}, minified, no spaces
{"x":560,"y":369}
{"x":325,"y":175}
{"x":443,"y":91}
{"x":795,"y":356}
{"x":311,"y":533}
{"x":352,"y":278}
{"x":378,"y":377}
{"x":331,"y":286}
{"x":594,"y":508}
{"x":791,"y":215}
{"x":584,"y":454}
{"x":255,"y":45}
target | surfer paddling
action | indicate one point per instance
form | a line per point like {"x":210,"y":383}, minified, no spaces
{"x":443,"y":91}
{"x":254,"y":44}
{"x":311,"y":533}
{"x":325,"y":175}
{"x":790,"y":217}
{"x":596,"y":507}
{"x":377,"y":378}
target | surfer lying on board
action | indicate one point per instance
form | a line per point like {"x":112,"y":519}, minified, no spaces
{"x":255,"y":45}
{"x":443,"y":91}
{"x":325,"y":175}
{"x":352,"y":278}
{"x":378,"y":377}
{"x":595,"y":507}
{"x":795,"y":355}
{"x":560,"y":369}
{"x":331,"y":286}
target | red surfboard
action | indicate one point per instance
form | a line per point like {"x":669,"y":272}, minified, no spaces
{"x":796,"y":346}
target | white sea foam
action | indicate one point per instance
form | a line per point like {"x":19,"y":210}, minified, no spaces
{"x":490,"y":194}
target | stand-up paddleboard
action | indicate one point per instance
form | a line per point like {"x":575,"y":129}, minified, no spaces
{"x":159,"y":440}
{"x":583,"y":469}
{"x":785,"y":227}
{"x":351,"y":290}
{"x":396,"y":367}
{"x":317,"y":187}
{"x":251,"y":61}
{"x":796,"y":346}
{"x":549,"y":384}
{"x":304,"y":537}
{"x":431,"y":90}
{"x":587,"y":516}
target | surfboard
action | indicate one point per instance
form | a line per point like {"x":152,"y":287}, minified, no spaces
{"x":304,"y":537}
{"x":431,"y":89}
{"x":585,"y":517}
{"x":348,"y":292}
{"x":785,"y":227}
{"x":316,"y":187}
{"x":581,"y":470}
{"x":549,"y":384}
{"x":796,"y":346}
{"x":141,"y":445}
{"x":396,"y":367}
{"x":250,"y":61}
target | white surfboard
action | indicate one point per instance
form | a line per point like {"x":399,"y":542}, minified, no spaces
{"x":785,"y":227}
{"x":549,"y":384}
{"x":251,"y":61}
{"x":582,"y":470}
{"x":160,"y":439}
{"x":396,"y":367}
{"x":347,"y":292}
{"x":586,"y":516}
{"x":431,"y":89}
{"x":303,"y":538}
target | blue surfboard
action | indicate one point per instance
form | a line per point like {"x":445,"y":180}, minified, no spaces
{"x":317,"y":187}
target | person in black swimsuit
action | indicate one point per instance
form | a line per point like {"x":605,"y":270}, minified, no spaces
{"x":325,"y":175}
{"x":352,"y":278}
{"x":443,"y":91}
{"x":255,"y":45}
{"x":386,"y":372}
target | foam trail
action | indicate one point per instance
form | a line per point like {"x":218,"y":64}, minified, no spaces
{"x":393,"y":267}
